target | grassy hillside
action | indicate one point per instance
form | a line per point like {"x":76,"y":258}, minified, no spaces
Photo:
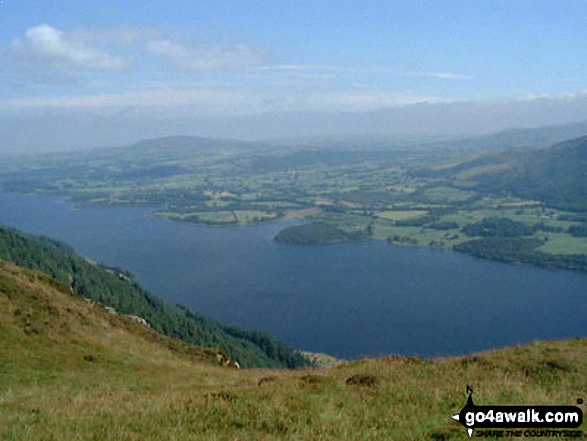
{"x":556,"y":175}
{"x":42,"y":321}
{"x":70,"y":370}
{"x":120,"y":290}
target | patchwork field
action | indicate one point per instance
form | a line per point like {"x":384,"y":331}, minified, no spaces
{"x":425,"y":197}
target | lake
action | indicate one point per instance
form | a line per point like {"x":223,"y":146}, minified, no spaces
{"x":348,"y":300}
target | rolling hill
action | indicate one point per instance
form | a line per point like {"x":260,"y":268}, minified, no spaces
{"x":518,"y":138}
{"x":556,"y":175}
{"x":514,"y":138}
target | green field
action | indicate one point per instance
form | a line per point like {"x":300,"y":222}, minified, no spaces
{"x":400,"y":215}
{"x":564,"y":244}
{"x":253,"y":216}
{"x":447,"y":194}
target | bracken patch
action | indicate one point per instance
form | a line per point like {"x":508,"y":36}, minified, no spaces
{"x":362,"y":380}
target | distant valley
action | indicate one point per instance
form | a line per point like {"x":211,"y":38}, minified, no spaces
{"x":403,"y":192}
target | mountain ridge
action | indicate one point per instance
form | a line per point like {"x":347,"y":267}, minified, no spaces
{"x":556,"y":175}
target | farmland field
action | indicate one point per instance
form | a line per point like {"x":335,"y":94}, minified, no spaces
{"x":407,"y":197}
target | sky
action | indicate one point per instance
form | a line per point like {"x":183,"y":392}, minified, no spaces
{"x":92,"y":68}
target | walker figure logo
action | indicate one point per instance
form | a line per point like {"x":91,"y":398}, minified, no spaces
{"x":519,"y":417}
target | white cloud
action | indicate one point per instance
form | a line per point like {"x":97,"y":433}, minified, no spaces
{"x":344,"y":101}
{"x":50,"y":46}
{"x":438,"y":75}
{"x":296,"y":67}
{"x":204,"y":101}
{"x":560,"y":95}
{"x":196,"y":101}
{"x":374,"y":100}
{"x":212,"y":58}
{"x":124,"y":36}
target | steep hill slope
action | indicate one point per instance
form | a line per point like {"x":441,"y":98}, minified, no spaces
{"x":72,"y":370}
{"x":46,"y":329}
{"x":556,"y":175}
{"x":120,"y":290}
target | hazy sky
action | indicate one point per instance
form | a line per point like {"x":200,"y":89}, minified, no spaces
{"x":214,"y":59}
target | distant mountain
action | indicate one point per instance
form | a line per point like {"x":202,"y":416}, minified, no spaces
{"x":183,"y":147}
{"x":143,"y":160}
{"x":156,"y":150}
{"x":169,"y":149}
{"x":538,"y":137}
{"x":535,"y":137}
{"x":556,"y":175}
{"x":364,"y":141}
{"x":174,"y":148}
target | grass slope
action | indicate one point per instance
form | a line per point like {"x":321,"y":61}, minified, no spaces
{"x":72,"y":371}
{"x":556,"y":175}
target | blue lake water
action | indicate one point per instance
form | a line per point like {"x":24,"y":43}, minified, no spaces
{"x":348,"y":299}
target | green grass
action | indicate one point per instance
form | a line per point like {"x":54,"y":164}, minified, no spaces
{"x":253,"y":216}
{"x":447,"y":194}
{"x":564,"y":244}
{"x":217,"y":217}
{"x":87,"y":374}
{"x":423,"y":236}
{"x":483,"y":169}
{"x":400,"y":215}
{"x":217,"y":203}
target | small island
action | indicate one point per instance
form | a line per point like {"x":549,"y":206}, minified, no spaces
{"x":320,"y":233}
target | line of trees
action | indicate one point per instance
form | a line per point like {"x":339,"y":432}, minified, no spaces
{"x":120,"y":290}
{"x":521,"y":250}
